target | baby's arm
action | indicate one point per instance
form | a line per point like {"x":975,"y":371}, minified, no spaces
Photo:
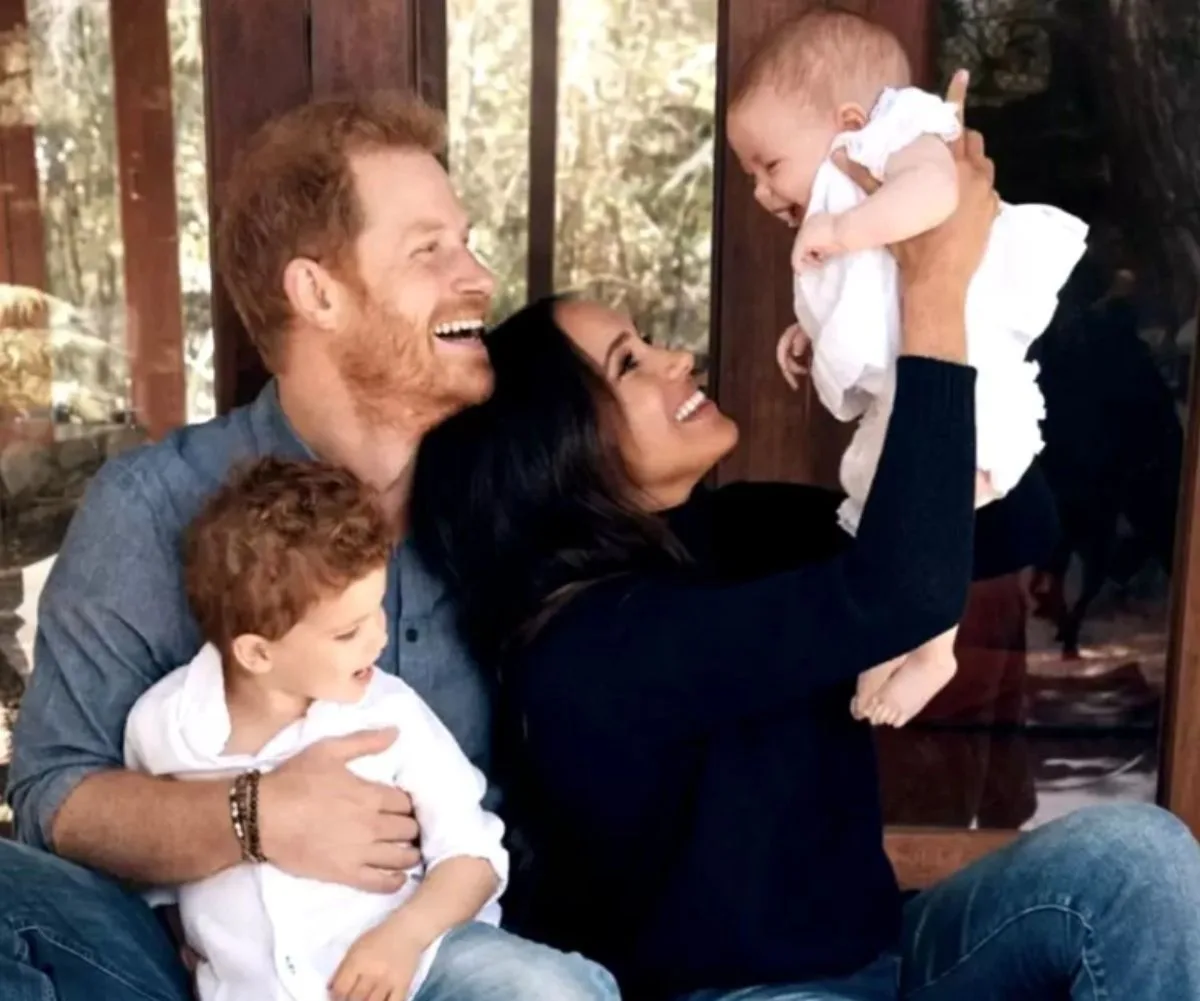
{"x":919,"y":192}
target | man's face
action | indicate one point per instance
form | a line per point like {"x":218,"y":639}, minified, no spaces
{"x":412,"y":353}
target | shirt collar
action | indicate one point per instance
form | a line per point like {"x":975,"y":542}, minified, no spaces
{"x":204,"y":716}
{"x":273,"y":432}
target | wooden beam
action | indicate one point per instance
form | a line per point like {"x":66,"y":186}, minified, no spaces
{"x":432,"y":52}
{"x":1179,"y":776}
{"x":922,"y":856}
{"x":141,"y":51}
{"x":362,"y":46}
{"x":255,"y":66}
{"x":543,"y":149}
{"x":22,"y":237}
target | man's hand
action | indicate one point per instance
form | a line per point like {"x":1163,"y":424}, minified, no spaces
{"x":378,"y":967}
{"x":318,"y":819}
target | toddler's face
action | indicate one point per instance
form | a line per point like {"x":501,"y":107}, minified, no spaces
{"x":330,"y":653}
{"x":780,"y":145}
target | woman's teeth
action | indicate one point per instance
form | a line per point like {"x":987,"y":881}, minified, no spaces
{"x":690,"y":406}
{"x":459,"y":329}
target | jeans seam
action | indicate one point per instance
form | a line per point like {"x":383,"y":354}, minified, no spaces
{"x":1094,"y":975}
{"x":90,"y":960}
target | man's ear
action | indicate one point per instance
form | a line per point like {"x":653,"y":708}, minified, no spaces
{"x":851,"y":117}
{"x":317,"y":297}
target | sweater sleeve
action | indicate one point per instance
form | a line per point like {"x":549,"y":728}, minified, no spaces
{"x":686,"y":656}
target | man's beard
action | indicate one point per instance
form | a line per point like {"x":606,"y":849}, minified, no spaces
{"x":397,"y":378}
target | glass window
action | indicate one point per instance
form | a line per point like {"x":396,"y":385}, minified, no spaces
{"x":636,"y":100}
{"x":488,"y":115}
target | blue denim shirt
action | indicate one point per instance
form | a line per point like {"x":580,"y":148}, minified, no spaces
{"x":113,"y":617}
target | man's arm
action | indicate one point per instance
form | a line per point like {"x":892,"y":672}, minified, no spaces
{"x":111,"y":613}
{"x":113,"y":619}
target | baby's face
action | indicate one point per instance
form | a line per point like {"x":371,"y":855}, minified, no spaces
{"x":330,"y":654}
{"x":780,"y":145}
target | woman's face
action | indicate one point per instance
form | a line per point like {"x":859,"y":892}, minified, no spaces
{"x":671,"y":434}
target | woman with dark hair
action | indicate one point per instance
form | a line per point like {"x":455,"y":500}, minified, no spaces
{"x":677,"y":664}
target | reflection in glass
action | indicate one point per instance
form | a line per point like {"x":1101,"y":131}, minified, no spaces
{"x":1094,"y":108}
{"x":635,"y":161}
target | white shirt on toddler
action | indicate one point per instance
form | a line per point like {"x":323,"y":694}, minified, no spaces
{"x":267,"y":935}
{"x":849,"y":307}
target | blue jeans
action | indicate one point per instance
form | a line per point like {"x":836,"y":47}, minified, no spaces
{"x":70,"y":935}
{"x":480,"y":963}
{"x":1103,"y":905}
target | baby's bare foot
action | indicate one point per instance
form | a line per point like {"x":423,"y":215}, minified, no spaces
{"x":908,"y":691}
{"x":870,"y":684}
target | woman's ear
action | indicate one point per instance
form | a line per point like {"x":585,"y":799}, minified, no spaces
{"x":851,"y":117}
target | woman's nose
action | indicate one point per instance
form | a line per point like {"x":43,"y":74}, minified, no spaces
{"x":681,"y":364}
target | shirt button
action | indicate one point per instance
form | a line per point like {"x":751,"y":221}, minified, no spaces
{"x":410,"y":634}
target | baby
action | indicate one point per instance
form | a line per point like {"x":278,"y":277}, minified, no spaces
{"x":286,"y":572}
{"x":830,"y":81}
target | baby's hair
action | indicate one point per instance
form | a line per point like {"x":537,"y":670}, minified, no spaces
{"x":276,"y":538}
{"x":824,"y":56}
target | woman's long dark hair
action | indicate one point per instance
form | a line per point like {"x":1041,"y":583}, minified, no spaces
{"x":523,"y":499}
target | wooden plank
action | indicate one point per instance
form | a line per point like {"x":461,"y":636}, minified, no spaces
{"x":141,"y":49}
{"x":362,"y":45}
{"x":543,"y":149}
{"x":432,"y":51}
{"x":255,"y":66}
{"x":1179,"y":776}
{"x":22,"y":236}
{"x":922,"y":856}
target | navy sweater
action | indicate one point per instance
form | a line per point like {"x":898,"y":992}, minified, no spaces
{"x":703,"y":808}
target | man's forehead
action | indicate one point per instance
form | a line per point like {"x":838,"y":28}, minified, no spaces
{"x":406,"y":188}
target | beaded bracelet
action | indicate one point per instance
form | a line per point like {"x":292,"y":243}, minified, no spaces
{"x":243,"y":813}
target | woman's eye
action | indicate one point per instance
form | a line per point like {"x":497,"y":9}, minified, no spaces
{"x":626,"y":365}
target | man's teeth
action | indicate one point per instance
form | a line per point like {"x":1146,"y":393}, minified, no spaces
{"x":459,"y":328}
{"x":690,"y":406}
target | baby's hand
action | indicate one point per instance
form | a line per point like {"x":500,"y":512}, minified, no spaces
{"x":381,"y":964}
{"x":790,"y":353}
{"x":816,"y":242}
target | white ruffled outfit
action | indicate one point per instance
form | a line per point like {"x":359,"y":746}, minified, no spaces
{"x":849,"y":307}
